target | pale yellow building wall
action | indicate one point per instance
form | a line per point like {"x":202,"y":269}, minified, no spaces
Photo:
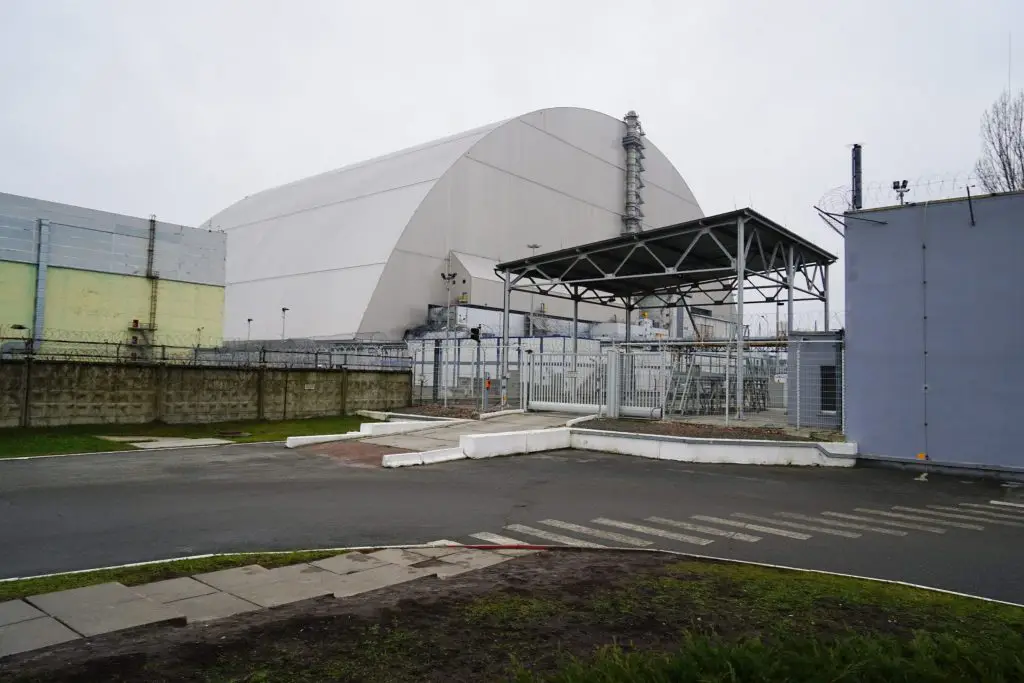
{"x":102,"y":306}
{"x":17,"y":297}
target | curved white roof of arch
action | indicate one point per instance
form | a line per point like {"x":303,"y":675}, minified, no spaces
{"x":359,"y":250}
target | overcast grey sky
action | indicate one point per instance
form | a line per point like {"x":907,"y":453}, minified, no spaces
{"x":181,"y":108}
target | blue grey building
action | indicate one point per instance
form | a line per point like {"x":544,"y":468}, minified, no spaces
{"x":935,"y":331}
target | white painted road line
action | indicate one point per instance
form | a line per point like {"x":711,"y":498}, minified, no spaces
{"x":495,"y":539}
{"x":754,"y":527}
{"x":651,"y":531}
{"x":735,"y":535}
{"x":919,"y":518}
{"x":874,"y":520}
{"x":554,"y":538}
{"x":597,"y":533}
{"x":969,"y":515}
{"x":797,"y":525}
{"x":1009,"y":513}
{"x":845,"y":525}
{"x":1007,"y":504}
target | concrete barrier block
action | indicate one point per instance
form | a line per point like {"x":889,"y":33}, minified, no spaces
{"x":492,"y":445}
{"x":610,"y":443}
{"x":373,"y":415}
{"x":298,"y":441}
{"x":401,"y":459}
{"x":442,"y":455}
{"x":848,"y":448}
{"x":538,"y":440}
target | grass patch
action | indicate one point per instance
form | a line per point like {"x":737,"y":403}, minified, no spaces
{"x":134,"y":576}
{"x":18,"y":441}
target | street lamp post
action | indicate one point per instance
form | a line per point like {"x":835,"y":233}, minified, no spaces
{"x":533,"y":249}
{"x":449,"y":279}
{"x":284,"y":317}
{"x":248,"y":330}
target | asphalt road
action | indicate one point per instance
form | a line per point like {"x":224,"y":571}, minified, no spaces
{"x":80,"y":512}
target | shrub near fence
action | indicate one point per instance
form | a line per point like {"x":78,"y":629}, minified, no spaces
{"x":50,"y":393}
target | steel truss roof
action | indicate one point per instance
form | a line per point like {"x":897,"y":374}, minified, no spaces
{"x":667,"y":264}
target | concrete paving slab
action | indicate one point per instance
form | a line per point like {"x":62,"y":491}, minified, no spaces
{"x":413,"y":442}
{"x":467,"y":561}
{"x":80,"y":599}
{"x":298,"y":573}
{"x":173,"y":590}
{"x":382,"y":577}
{"x":32,"y":635}
{"x":438,"y":552}
{"x":398,"y":556}
{"x":286,"y":592}
{"x":349,"y":563}
{"x":229,"y":579}
{"x":93,"y":620}
{"x":13,"y":611}
{"x":212,"y":606}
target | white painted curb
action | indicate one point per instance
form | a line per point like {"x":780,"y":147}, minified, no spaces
{"x":676,"y":449}
{"x":715,"y":451}
{"x":299,"y":441}
{"x":502,"y":413}
{"x":413,"y":546}
{"x":401,"y":459}
{"x":422,"y":458}
{"x":580,"y":420}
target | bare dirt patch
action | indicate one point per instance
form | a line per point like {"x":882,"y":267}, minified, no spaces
{"x":437,"y":410}
{"x":530,"y":617}
{"x":354,"y":453}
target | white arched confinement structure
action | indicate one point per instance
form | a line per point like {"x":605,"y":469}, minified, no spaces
{"x":358,"y":252}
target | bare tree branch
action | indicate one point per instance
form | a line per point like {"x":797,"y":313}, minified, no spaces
{"x":1001,"y":165}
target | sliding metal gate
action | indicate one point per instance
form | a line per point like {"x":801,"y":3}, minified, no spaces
{"x":613,"y":383}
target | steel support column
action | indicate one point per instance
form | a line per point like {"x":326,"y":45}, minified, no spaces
{"x":741,"y":274}
{"x":504,"y":339}
{"x":824,"y":286}
{"x":575,"y":323}
{"x":629,"y":319}
{"x":790,"y":275}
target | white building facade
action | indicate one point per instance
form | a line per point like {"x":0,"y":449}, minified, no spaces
{"x":359,"y":252}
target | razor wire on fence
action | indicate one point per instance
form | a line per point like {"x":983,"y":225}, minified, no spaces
{"x":323,"y":356}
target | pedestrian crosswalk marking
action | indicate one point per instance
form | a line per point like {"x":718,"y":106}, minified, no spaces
{"x":1008,"y":504}
{"x":498,"y":540}
{"x":968,"y":515}
{"x":844,"y":525}
{"x":990,"y":511}
{"x":797,"y":525}
{"x":549,"y":536}
{"x":874,"y":520}
{"x":652,"y":531}
{"x":919,"y":518}
{"x":700,"y":528}
{"x":754,"y":527}
{"x":597,"y":533}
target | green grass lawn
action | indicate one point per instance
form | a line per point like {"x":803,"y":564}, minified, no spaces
{"x":16,"y":442}
{"x":134,"y":576}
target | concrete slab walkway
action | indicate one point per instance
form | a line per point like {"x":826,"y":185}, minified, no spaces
{"x":447,"y":436}
{"x":44,"y":620}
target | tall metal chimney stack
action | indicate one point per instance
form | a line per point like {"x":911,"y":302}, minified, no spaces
{"x":633,"y":143}
{"x":857,"y":198}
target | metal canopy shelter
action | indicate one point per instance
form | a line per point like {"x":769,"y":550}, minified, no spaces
{"x":719,"y":256}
